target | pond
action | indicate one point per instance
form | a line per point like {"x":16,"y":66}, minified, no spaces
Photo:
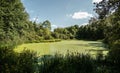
{"x":63,"y":47}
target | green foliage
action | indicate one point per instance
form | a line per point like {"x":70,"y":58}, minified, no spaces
{"x":15,"y":28}
{"x":27,"y":62}
{"x":114,"y":59}
{"x":93,"y":31}
{"x":11,"y":62}
{"x":111,"y":32}
{"x":71,"y":63}
{"x":106,"y":7}
{"x":65,"y":33}
{"x":13,"y":20}
{"x":7,"y":60}
{"x":109,"y":14}
{"x":79,"y":63}
{"x":46,"y":24}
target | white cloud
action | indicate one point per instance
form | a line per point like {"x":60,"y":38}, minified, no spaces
{"x":80,"y":15}
{"x":84,"y":24}
{"x":53,"y":27}
{"x":96,"y":1}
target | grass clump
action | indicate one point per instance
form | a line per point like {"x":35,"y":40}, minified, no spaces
{"x":12,"y":62}
{"x":71,"y":63}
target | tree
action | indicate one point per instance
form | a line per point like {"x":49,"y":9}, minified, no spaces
{"x":46,"y":24}
{"x":107,"y":7}
{"x":13,"y":21}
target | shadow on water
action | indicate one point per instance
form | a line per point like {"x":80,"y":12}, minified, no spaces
{"x":80,"y":45}
{"x":96,"y":44}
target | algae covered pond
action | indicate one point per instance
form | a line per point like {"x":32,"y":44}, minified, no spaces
{"x":63,"y":47}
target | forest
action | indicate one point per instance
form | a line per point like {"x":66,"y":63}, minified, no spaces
{"x":16,"y":29}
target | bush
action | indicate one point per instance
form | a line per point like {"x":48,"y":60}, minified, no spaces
{"x":27,"y":62}
{"x":71,"y":63}
{"x":11,"y":62}
{"x":114,"y":60}
{"x":8,"y":61}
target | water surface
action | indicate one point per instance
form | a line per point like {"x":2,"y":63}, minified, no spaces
{"x":62,"y":47}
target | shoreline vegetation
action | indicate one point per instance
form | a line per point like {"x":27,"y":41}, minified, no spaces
{"x":46,"y":41}
{"x":17,"y":29}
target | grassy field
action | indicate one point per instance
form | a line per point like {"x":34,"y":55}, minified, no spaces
{"x":63,"y":47}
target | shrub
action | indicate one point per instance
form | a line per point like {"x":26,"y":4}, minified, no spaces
{"x":114,"y":60}
{"x":71,"y":63}
{"x":11,"y":62}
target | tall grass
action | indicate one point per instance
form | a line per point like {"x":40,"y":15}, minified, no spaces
{"x":28,"y":62}
{"x":79,"y":63}
{"x":71,"y":63}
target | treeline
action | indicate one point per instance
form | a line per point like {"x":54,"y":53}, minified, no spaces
{"x":66,"y":33}
{"x":15,"y":28}
{"x":14,"y":23}
{"x":105,"y":27}
{"x":109,"y":21}
{"x":92,"y":31}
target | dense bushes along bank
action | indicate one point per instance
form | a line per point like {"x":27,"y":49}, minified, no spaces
{"x":80,"y":63}
{"x":28,"y":62}
{"x":11,"y":62}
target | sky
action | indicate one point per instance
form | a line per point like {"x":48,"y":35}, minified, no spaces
{"x":61,"y":13}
